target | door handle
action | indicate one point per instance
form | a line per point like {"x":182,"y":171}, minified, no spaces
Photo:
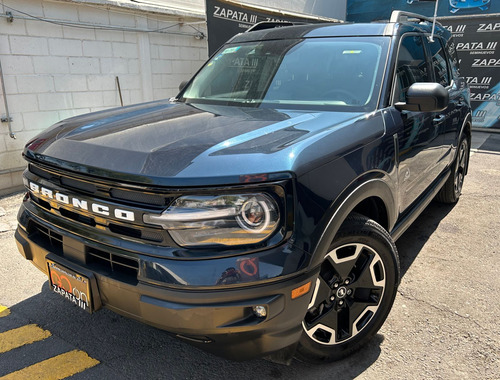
{"x":439,"y":119}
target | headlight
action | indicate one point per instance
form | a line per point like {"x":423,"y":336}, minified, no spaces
{"x":233,"y":219}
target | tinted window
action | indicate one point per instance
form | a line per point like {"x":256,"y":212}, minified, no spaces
{"x":439,"y":63}
{"x":453,"y":59}
{"x":411,"y":66}
{"x":319,"y":73}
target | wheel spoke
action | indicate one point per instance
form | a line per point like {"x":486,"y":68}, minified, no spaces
{"x":324,"y":327}
{"x":344,"y":258}
{"x":371,"y":274}
{"x":356,"y":311}
{"x":329,"y":318}
{"x":460,"y":168}
{"x":463,"y":154}
{"x":321,"y":293}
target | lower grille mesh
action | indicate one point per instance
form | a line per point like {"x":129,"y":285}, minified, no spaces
{"x":113,"y":263}
{"x":121,"y":267}
{"x":51,"y":240}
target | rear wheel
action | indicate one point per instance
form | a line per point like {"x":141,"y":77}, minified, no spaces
{"x":353,"y":294}
{"x":451,"y":190}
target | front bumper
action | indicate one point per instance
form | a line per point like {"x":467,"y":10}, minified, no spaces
{"x":216,"y":319}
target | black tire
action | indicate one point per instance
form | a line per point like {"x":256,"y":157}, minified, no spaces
{"x":451,"y":190}
{"x":353,"y":294}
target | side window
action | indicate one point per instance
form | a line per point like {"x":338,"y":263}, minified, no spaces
{"x":439,"y":63}
{"x":452,"y":58}
{"x":411,"y":66}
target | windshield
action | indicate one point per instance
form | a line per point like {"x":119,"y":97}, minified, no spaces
{"x":320,"y":73}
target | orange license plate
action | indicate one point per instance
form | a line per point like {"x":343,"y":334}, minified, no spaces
{"x":70,"y":285}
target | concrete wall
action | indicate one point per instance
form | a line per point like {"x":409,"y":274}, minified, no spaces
{"x":55,"y":71}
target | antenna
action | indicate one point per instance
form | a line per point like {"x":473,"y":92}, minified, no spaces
{"x":431,"y":38}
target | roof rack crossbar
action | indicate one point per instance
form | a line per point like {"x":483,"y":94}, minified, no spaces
{"x":402,"y":16}
{"x":272,"y":24}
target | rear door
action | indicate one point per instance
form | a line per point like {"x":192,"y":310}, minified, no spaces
{"x":459,"y":106}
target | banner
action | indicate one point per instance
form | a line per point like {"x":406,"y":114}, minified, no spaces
{"x":476,"y":41}
{"x":475,"y":25}
{"x":370,"y":10}
{"x":226,"y":19}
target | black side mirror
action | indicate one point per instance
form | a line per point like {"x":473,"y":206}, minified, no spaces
{"x":425,"y":97}
{"x":183,"y":84}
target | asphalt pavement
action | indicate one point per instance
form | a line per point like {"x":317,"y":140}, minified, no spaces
{"x":444,"y":323}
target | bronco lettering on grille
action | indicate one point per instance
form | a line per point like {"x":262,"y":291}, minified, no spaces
{"x":77,"y":203}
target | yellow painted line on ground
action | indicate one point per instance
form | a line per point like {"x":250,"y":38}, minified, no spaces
{"x":4,"y":311}
{"x":58,"y":367}
{"x":19,"y":337}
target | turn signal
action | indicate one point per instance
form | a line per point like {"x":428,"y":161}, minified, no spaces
{"x":301,"y":290}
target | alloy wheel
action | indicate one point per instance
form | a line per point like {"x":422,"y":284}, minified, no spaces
{"x":347,"y":294}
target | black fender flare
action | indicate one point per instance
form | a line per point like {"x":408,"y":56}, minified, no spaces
{"x":345,"y":204}
{"x":467,"y":124}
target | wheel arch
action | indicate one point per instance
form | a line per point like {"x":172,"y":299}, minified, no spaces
{"x":372,"y":198}
{"x":467,"y":130}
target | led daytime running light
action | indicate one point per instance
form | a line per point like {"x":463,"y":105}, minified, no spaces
{"x":188,"y":216}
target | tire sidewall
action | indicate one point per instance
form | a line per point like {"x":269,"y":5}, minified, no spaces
{"x":383,"y":245}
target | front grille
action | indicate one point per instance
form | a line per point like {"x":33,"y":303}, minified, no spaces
{"x":121,"y":267}
{"x":77,"y":217}
{"x":104,"y":191}
{"x":46,"y":205}
{"x":78,"y":185}
{"x":150,"y":235}
{"x":136,"y":197}
{"x":112,"y":193}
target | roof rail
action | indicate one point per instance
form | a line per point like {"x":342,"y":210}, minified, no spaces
{"x":402,"y":16}
{"x":272,"y":24}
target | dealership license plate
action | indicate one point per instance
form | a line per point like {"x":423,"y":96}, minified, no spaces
{"x":70,"y":285}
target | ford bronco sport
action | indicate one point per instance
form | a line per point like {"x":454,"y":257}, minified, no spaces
{"x":257,"y":210}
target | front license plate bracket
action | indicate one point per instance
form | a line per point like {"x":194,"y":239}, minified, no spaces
{"x":76,"y":285}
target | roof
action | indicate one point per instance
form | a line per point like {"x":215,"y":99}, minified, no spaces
{"x":340,"y":30}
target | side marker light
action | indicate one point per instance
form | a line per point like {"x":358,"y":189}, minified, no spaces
{"x":301,"y":290}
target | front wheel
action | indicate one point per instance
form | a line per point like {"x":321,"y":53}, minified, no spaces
{"x":353,"y":294}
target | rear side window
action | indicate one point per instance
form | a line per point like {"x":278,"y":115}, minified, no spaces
{"x":452,"y":58}
{"x":411,"y":66}
{"x":439,"y":63}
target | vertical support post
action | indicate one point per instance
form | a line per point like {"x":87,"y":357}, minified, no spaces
{"x":8,"y":118}
{"x":431,"y":39}
{"x":119,"y":90}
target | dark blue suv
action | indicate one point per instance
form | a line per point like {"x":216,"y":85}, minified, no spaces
{"x":257,"y":211}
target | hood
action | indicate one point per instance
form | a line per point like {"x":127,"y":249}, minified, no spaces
{"x":177,"y":144}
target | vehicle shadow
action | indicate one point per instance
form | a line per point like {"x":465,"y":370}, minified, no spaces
{"x":412,"y":241}
{"x":129,"y":350}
